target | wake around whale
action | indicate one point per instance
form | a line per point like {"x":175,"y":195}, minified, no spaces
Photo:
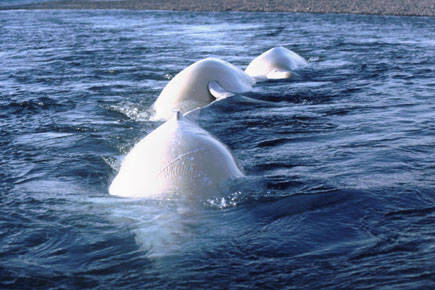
{"x":276,"y":63}
{"x":200,"y":84}
{"x":177,"y":157}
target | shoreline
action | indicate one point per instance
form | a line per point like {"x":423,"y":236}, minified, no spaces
{"x":371,"y":7}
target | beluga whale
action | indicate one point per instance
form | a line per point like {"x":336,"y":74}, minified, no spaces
{"x":276,"y":63}
{"x":200,"y":84}
{"x":179,"y":157}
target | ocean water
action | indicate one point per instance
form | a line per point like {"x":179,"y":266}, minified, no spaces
{"x":340,"y":177}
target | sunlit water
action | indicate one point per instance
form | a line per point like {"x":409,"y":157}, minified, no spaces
{"x":339,"y":161}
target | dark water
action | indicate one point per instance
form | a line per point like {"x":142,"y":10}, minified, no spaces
{"x":340,"y":160}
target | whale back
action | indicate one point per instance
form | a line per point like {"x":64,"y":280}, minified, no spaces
{"x":177,"y":157}
{"x":276,"y":63}
{"x":189,"y":89}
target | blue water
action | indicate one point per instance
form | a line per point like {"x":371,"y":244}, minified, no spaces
{"x":340,"y":186}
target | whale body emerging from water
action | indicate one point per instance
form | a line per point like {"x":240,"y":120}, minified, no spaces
{"x":177,"y":157}
{"x":200,"y":84}
{"x":276,"y":63}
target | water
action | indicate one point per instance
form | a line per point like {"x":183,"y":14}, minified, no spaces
{"x":340,"y":160}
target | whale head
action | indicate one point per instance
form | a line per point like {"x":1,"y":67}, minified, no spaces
{"x":179,"y":157}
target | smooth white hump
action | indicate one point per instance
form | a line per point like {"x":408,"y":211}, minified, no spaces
{"x":189,"y":89}
{"x":276,"y":63}
{"x":177,"y":157}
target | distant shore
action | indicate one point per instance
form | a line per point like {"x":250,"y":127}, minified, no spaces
{"x":379,"y":7}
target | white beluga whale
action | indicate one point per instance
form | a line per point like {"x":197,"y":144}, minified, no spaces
{"x":179,"y":157}
{"x":276,"y":63}
{"x":200,"y":84}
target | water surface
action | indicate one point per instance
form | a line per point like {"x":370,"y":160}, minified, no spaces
{"x":340,"y":160}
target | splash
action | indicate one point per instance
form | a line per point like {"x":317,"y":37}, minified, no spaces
{"x":132,"y":111}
